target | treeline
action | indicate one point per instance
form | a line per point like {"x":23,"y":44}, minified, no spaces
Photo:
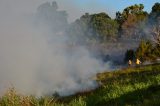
{"x":132,"y":23}
{"x":149,"y":47}
{"x":95,"y":27}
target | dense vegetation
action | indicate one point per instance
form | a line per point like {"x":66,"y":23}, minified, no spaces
{"x":96,"y":27}
{"x":147,"y":51}
{"x":131,"y":86}
{"x":133,"y":23}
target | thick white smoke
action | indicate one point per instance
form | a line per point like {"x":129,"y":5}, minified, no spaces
{"x":33,"y":63}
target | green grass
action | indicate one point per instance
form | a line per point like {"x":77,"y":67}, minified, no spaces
{"x":127,"y":87}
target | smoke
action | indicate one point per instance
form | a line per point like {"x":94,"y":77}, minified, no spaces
{"x":36,"y":59}
{"x":76,"y":8}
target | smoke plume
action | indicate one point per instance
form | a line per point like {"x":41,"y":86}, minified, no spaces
{"x":35,"y":59}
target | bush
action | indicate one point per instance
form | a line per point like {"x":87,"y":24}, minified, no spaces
{"x":147,"y":51}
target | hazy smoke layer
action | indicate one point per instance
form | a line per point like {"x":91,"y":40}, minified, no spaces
{"x":36,"y":60}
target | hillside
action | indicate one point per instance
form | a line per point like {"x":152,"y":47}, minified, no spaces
{"x":129,"y":86}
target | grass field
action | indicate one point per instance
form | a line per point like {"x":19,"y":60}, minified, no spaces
{"x":138,"y":86}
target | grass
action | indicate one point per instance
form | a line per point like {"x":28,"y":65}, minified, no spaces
{"x":127,"y":87}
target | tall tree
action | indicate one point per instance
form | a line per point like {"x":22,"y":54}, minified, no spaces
{"x":155,"y":14}
{"x":103,"y":26}
{"x":132,"y":21}
{"x":95,"y":27}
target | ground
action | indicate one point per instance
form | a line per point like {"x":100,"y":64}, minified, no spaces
{"x":126,"y":87}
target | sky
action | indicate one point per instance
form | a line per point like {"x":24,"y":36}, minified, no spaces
{"x":76,"y":8}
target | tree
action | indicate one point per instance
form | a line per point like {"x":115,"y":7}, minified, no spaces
{"x":103,"y":26}
{"x":155,"y":14}
{"x":145,"y":51}
{"x":79,"y":30}
{"x":132,"y":21}
{"x":94,"y":27}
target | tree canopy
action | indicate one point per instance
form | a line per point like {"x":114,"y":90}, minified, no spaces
{"x":98,"y":27}
{"x":132,"y":20}
{"x":132,"y":23}
{"x":155,"y":14}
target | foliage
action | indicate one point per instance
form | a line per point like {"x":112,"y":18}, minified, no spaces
{"x":155,"y":14}
{"x":148,"y":50}
{"x":132,"y":21}
{"x":127,"y":87}
{"x":13,"y":98}
{"x":78,"y":102}
{"x":98,"y":27}
{"x":103,"y":26}
{"x":79,"y":31}
{"x":145,"y":51}
{"x":156,"y":51}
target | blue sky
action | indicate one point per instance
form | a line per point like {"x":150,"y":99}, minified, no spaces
{"x":121,"y":4}
{"x":76,"y":8}
{"x":115,"y":4}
